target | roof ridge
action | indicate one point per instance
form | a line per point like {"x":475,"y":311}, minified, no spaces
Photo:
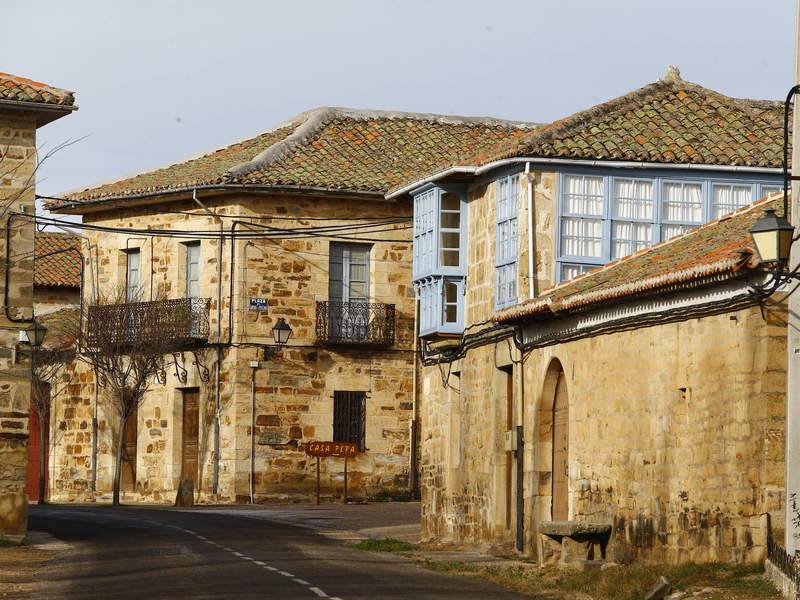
{"x":184,"y":161}
{"x":319,"y":117}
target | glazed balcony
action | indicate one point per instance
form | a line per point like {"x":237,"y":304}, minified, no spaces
{"x":170,"y":323}
{"x":355,"y":323}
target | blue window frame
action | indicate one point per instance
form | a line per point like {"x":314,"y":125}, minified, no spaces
{"x":506,"y":241}
{"x":604,"y":216}
{"x":439,"y":269}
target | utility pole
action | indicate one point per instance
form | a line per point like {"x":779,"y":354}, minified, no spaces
{"x":792,"y":541}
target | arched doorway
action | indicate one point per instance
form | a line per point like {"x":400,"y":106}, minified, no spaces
{"x":560,"y":440}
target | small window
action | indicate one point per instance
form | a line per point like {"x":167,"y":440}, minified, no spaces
{"x":450,"y":301}
{"x":506,"y":242}
{"x":450,"y":230}
{"x":727,"y":198}
{"x":193,"y":270}
{"x":424,"y":232}
{"x":571,"y":271}
{"x":683,"y":202}
{"x":132,"y":274}
{"x":769,"y":190}
{"x":350,"y":417}
{"x":582,"y":223}
{"x":631,"y":229}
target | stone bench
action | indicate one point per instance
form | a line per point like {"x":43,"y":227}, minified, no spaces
{"x":577,"y":540}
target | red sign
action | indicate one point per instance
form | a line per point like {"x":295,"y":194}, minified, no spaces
{"x":341,"y":449}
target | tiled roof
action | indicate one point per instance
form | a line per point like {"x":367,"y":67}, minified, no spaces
{"x":327,"y":148}
{"x":59,"y":270}
{"x":22,"y":89}
{"x":669,"y":121}
{"x":721,"y":246}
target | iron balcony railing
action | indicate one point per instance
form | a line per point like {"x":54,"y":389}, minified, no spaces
{"x":169,"y":323}
{"x":355,"y":323}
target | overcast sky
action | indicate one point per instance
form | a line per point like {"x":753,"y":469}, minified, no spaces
{"x":159,"y":81}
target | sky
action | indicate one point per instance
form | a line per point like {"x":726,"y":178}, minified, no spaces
{"x":160,"y":81}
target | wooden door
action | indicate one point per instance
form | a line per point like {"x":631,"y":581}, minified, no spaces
{"x":128,"y":483}
{"x":191,"y":431}
{"x":561,"y":451}
{"x":32,"y":481}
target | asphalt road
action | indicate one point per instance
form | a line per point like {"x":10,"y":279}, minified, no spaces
{"x":150,"y":553}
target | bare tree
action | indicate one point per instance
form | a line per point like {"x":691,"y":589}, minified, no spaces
{"x":49,"y":364}
{"x":127,"y":344}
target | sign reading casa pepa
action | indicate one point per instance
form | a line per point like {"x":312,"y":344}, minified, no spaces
{"x":323,"y":449}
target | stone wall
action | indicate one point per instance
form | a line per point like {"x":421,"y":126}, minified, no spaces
{"x":676,"y":431}
{"x":17,"y":167}
{"x":50,"y":299}
{"x":294,"y":390}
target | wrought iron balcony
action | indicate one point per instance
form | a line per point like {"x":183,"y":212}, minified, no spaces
{"x":169,"y":323}
{"x":355,"y":323}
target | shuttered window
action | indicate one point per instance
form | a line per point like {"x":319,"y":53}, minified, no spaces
{"x":193,"y":270}
{"x":348,"y":279}
{"x":350,"y":417}
{"x":132,"y":270}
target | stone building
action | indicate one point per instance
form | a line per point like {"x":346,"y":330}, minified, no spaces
{"x":25,"y":105}
{"x":668,"y":431}
{"x":308,"y":238}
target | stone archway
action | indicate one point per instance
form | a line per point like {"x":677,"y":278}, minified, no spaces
{"x":551,"y":450}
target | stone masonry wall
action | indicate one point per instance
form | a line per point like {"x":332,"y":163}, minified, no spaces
{"x":676,"y":431}
{"x":294,"y":390}
{"x":17,"y":168}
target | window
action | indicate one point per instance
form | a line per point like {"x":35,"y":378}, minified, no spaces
{"x":132,"y":271}
{"x":768,"y":190}
{"x":682,"y":207}
{"x":607,"y":217}
{"x":348,"y":274}
{"x":727,"y":198}
{"x":450,"y":229}
{"x":631,"y":228}
{"x":506,"y":242}
{"x":424,"y":232}
{"x":439,"y":257}
{"x":350,"y":417}
{"x":571,"y":271}
{"x":193,"y":270}
{"x":582,"y":220}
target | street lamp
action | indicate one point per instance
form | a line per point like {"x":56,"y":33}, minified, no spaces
{"x":773,"y":236}
{"x":281,"y":332}
{"x":35,"y":334}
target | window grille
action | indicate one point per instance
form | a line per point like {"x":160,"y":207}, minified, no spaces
{"x":350,"y":417}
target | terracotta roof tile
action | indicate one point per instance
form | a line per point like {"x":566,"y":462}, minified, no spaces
{"x":58,"y":270}
{"x":22,"y":89}
{"x":721,"y":246}
{"x":669,"y":121}
{"x":327,"y":148}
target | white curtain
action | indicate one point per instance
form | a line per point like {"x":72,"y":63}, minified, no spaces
{"x":728,"y":198}
{"x":584,"y":195}
{"x":683,"y":202}
{"x":633,"y":199}
{"x":581,"y":237}
{"x":628,"y":237}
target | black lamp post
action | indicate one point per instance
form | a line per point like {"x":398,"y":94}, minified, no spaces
{"x":35,"y":334}
{"x":773,"y":235}
{"x":281,"y":332}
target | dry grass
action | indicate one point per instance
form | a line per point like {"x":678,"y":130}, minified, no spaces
{"x":701,"y":582}
{"x":18,"y":568}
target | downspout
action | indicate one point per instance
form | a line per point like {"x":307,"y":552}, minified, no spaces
{"x":217,"y":383}
{"x":531,"y":244}
{"x":413,"y":475}
{"x":254,"y":366}
{"x":520,"y":451}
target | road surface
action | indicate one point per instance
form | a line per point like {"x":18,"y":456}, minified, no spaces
{"x":149,"y":553}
